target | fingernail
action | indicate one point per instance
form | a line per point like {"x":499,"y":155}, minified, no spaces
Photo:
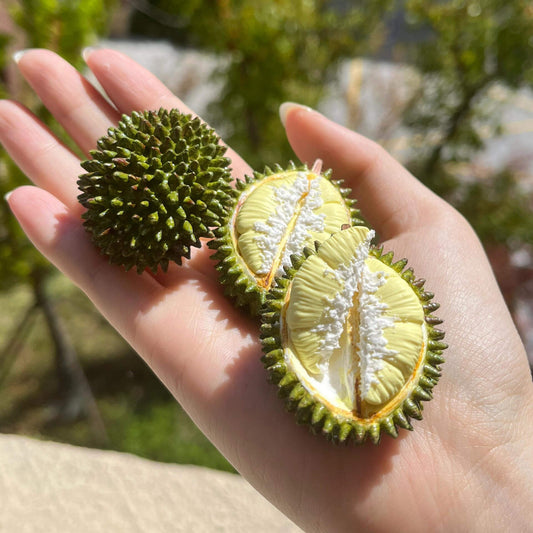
{"x":7,"y":195}
{"x":285,"y":107}
{"x":87,"y":51}
{"x":17,"y":56}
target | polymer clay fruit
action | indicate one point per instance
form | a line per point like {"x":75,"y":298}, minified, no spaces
{"x":275,"y":215}
{"x":155,"y":186}
{"x":349,"y":338}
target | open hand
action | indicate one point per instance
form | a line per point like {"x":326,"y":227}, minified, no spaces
{"x":468,"y":466}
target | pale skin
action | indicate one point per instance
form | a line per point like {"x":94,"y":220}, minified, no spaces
{"x":468,"y":466}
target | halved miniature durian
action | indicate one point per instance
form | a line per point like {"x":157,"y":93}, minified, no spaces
{"x":276,"y":214}
{"x":155,"y":185}
{"x":349,"y":338}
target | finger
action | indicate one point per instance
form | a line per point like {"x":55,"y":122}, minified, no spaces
{"x":57,"y":233}
{"x":73,"y":101}
{"x":390,"y":198}
{"x":154,"y":320}
{"x":51,"y":166}
{"x":39,"y":154}
{"x":131,"y":88}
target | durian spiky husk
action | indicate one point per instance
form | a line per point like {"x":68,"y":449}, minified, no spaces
{"x":276,"y":213}
{"x":349,"y":338}
{"x":155,"y":186}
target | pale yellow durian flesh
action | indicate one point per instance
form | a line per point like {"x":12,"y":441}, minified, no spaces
{"x":353,"y":330}
{"x":280,"y":215}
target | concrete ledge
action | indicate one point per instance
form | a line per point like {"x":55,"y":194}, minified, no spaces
{"x":56,"y":488}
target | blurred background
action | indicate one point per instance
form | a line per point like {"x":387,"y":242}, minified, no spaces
{"x":446,"y":86}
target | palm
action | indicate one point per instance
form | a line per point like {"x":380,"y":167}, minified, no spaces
{"x":207,"y":353}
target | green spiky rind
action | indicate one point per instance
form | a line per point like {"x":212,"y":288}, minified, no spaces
{"x":239,"y":285}
{"x":156,"y":184}
{"x":311,"y":411}
{"x":355,"y":213}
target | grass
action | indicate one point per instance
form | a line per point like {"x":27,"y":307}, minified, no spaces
{"x":139,"y":415}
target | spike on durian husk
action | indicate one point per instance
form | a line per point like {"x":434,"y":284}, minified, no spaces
{"x":156,"y":184}
{"x":277,"y":213}
{"x":348,"y":337}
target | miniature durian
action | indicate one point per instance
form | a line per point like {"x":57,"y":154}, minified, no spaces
{"x":349,"y":339}
{"x":275,"y":215}
{"x":155,"y":186}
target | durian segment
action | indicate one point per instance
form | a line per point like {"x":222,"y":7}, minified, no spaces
{"x":156,"y":184}
{"x":255,"y":243}
{"x":256,"y":203}
{"x":312,"y":289}
{"x":249,"y":253}
{"x":281,"y":215}
{"x":339,"y":249}
{"x":355,"y":330}
{"x":406,"y":341}
{"x":313,"y":286}
{"x":401,"y":299}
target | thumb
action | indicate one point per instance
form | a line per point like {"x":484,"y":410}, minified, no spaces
{"x":390,"y":198}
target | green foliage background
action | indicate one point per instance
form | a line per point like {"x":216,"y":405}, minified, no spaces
{"x":66,"y":27}
{"x":269,"y":52}
{"x":474,"y":46}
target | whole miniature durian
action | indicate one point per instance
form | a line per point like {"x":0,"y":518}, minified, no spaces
{"x":349,"y":339}
{"x":275,"y":215}
{"x":155,"y":186}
